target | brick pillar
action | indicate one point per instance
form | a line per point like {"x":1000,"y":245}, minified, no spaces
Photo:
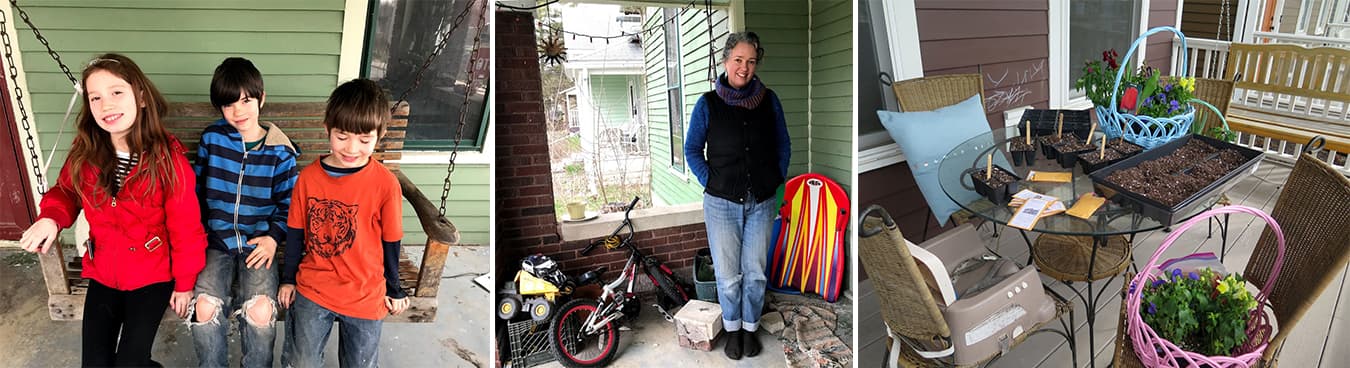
{"x":525,"y":218}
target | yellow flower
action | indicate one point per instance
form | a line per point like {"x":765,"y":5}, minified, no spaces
{"x":1223,"y":287}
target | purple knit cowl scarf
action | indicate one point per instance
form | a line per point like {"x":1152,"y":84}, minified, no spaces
{"x":748,"y":96}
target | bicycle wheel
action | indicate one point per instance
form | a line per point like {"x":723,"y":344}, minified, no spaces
{"x":574,"y":349}
{"x":668,"y":287}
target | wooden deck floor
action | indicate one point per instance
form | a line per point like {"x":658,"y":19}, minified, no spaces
{"x":1319,"y":340}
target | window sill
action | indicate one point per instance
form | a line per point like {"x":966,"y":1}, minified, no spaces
{"x":643,"y":220}
{"x":443,"y":158}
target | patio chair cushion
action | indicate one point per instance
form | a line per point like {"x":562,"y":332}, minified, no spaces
{"x":926,"y":136}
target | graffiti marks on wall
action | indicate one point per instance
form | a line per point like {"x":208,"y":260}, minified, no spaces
{"x":1014,"y":95}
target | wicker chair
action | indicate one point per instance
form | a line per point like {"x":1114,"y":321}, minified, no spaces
{"x":920,"y":321}
{"x":1311,"y":210}
{"x":1216,"y":92}
{"x":932,"y":93}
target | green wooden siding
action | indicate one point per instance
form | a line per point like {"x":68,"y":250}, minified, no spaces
{"x":832,"y":90}
{"x":670,"y":186}
{"x":783,"y":29}
{"x":609,"y":93}
{"x":178,"y":43}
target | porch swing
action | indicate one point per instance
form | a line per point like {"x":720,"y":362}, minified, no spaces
{"x":303,"y":123}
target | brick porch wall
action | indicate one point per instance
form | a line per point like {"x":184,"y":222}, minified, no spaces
{"x":526,"y":223}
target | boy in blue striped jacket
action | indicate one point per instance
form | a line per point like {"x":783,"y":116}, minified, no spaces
{"x":245,"y":174}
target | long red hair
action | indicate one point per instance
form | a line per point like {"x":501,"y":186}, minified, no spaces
{"x":147,"y":136}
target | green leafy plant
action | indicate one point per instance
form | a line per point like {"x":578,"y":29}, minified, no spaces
{"x":1222,"y":134}
{"x":1158,"y":96}
{"x":1202,"y":312}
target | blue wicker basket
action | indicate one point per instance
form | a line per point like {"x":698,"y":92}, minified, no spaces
{"x":1145,"y":131}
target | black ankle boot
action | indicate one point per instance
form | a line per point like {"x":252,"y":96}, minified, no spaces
{"x":733,"y":345}
{"x":750,"y":343}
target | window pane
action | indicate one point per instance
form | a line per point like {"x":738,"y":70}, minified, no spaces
{"x":676,"y":128}
{"x":873,"y":56}
{"x":1096,"y":26}
{"x":405,"y":33}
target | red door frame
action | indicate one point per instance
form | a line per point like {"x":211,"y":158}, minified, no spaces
{"x":17,"y":211}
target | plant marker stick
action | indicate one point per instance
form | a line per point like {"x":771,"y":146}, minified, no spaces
{"x":1028,"y":132}
{"x":989,"y":167}
{"x":1102,"y":156}
{"x":1092,"y":130}
{"x":1059,"y":128}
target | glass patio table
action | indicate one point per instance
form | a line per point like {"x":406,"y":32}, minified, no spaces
{"x":1064,"y":250}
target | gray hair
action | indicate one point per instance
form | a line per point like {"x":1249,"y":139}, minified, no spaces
{"x":737,"y":38}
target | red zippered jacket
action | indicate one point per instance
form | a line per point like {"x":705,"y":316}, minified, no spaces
{"x":142,"y":236}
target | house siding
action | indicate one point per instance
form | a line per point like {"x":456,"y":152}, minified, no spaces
{"x":832,"y":91}
{"x":296,"y":44}
{"x":784,"y":28}
{"x":1006,"y":42}
{"x":610,"y":95}
{"x":1200,"y":18}
{"x":671,"y":186}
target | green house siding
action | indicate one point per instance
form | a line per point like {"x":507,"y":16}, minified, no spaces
{"x":671,"y":186}
{"x":178,"y":43}
{"x":782,"y":27}
{"x":609,"y":93}
{"x":832,"y":90}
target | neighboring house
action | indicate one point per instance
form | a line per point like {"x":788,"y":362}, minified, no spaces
{"x":303,"y":48}
{"x":610,"y":111}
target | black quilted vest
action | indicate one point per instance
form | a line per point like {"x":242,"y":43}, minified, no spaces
{"x":742,"y":150}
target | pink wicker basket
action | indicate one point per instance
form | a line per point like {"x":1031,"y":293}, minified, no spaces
{"x":1155,"y":351}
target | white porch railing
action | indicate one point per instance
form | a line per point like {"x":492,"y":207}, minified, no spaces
{"x":1206,"y":58}
{"x":1310,"y":41}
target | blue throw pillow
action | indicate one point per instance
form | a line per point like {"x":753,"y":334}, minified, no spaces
{"x":926,"y":136}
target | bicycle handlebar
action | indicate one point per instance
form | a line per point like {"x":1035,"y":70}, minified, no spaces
{"x":631,"y":205}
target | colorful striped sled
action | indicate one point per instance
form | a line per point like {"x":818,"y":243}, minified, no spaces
{"x":808,"y":255}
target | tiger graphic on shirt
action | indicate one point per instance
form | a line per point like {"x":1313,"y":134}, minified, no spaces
{"x":330,"y":227}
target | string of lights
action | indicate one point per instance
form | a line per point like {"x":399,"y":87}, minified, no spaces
{"x":649,"y":30}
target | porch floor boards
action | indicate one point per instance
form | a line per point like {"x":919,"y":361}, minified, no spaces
{"x":1312,"y":345}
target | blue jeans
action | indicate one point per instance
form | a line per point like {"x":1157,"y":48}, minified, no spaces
{"x":739,"y":236}
{"x":255,"y":286}
{"x":307,"y":327}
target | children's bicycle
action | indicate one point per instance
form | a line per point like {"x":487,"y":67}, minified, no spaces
{"x":585,"y":332}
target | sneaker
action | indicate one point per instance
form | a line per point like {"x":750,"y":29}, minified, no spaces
{"x":733,"y":345}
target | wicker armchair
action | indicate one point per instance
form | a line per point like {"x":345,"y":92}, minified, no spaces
{"x":932,"y":93}
{"x":1311,"y":210}
{"x":926,"y":323}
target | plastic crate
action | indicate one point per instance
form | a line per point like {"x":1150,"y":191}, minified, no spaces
{"x":705,"y":290}
{"x":529,"y":343}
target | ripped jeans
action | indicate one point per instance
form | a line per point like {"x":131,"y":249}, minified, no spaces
{"x":215,"y":285}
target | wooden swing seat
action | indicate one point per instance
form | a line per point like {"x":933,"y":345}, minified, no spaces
{"x":303,"y":123}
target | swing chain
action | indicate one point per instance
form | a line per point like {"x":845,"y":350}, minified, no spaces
{"x":29,"y":141}
{"x":445,"y":40}
{"x":464,"y":111}
{"x":24,"y":15}
{"x":712,"y":50}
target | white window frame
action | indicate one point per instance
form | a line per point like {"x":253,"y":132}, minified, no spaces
{"x":902,"y":36}
{"x":1059,"y":62}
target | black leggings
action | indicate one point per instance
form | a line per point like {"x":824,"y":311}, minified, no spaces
{"x":135,"y":313}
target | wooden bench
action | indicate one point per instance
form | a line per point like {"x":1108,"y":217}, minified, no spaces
{"x":303,"y":123}
{"x":1290,"y":93}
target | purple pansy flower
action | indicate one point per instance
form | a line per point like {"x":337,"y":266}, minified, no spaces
{"x":1152,"y":308}
{"x":1159,"y":282}
{"x":1194,"y":276}
{"x":1176,"y":273}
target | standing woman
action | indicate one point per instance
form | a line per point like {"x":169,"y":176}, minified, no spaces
{"x":739,"y":149}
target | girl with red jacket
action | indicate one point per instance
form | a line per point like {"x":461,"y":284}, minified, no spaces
{"x":133,"y":182}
